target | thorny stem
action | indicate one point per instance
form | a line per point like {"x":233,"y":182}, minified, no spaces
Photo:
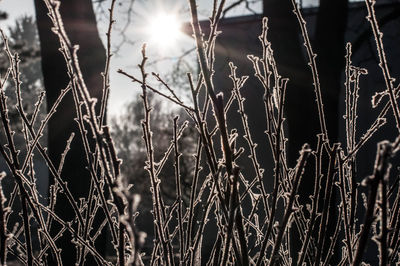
{"x":383,"y":237}
{"x":14,"y":164}
{"x":106,"y":73}
{"x":217,"y":101}
{"x":237,"y":85}
{"x":178,"y":191}
{"x":348,"y":98}
{"x":70,"y":54}
{"x":86,"y":227}
{"x":327,"y":201}
{"x":395,"y":225}
{"x":76,"y":236}
{"x":382,"y":60}
{"x":232,"y":213}
{"x":334,"y":238}
{"x":345,"y":208}
{"x":192,"y":196}
{"x":155,"y":183}
{"x":15,"y":167}
{"x":91,"y":169}
{"x":277,"y":171}
{"x":305,"y":152}
{"x":211,"y":160}
{"x":3,"y":235}
{"x":43,"y":125}
{"x":352,"y":76}
{"x":207,"y":143}
{"x":381,"y":170}
{"x":271,"y":102}
{"x":156,"y":91}
{"x":315,"y":200}
{"x":313,"y":65}
{"x":271,"y":97}
{"x":91,"y":164}
{"x":196,"y":173}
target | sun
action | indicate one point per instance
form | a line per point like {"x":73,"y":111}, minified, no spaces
{"x":164,"y":30}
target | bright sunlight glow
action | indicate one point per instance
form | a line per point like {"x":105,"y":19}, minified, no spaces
{"x":164,"y":30}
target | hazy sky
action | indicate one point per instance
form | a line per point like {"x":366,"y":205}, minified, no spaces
{"x":17,"y":8}
{"x":122,"y":90}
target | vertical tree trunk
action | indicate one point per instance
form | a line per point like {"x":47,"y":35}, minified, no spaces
{"x":80,"y":24}
{"x":330,"y":47}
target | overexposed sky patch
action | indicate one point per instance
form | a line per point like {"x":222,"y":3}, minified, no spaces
{"x":163,"y":53}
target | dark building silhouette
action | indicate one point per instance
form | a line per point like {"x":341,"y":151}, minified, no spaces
{"x":239,"y":38}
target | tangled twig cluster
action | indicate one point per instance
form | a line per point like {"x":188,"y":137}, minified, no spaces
{"x":254,"y":224}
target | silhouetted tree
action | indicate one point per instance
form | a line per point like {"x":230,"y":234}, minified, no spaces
{"x":80,"y":25}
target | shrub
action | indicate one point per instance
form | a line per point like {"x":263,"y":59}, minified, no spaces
{"x":215,"y":208}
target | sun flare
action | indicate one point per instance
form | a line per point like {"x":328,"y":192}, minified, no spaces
{"x":164,"y":30}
